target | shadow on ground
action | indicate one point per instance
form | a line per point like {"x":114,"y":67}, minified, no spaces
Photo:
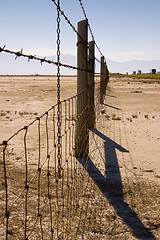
{"x":112,"y":189}
{"x":107,"y":105}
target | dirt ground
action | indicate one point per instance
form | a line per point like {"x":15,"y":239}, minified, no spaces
{"x":24,"y":98}
{"x":130,"y":123}
{"x":140,"y":106}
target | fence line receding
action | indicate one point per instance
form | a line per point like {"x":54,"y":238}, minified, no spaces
{"x":46,"y":192}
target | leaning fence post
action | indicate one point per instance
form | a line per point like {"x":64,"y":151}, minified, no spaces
{"x":102,"y":80}
{"x":82,"y":137}
{"x":91,"y":110}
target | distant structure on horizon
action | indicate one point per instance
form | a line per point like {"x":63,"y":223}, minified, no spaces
{"x":139,"y":72}
{"x":153,"y":71}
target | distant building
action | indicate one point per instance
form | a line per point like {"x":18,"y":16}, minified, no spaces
{"x":153,"y":71}
{"x":139,"y":72}
{"x":134,"y":72}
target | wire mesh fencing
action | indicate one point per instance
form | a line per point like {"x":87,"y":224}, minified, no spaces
{"x":59,"y":175}
{"x":42,"y":197}
{"x":45,"y":190}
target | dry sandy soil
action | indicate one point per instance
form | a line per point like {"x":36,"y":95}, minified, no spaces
{"x":140,"y":105}
{"x":23,"y":98}
{"x":130,"y":125}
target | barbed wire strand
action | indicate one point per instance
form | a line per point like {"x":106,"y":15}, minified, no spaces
{"x":41,"y":60}
{"x":66,"y":18}
{"x":74,"y":29}
{"x":57,"y":196}
{"x":85,"y":15}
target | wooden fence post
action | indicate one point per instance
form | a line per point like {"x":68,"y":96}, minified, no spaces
{"x":102,"y":80}
{"x":91,"y":110}
{"x":81,"y":136}
{"x":107,"y":75}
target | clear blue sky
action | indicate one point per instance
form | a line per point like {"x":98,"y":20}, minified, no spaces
{"x":123,"y":29}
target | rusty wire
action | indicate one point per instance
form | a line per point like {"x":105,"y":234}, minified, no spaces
{"x":85,"y":15}
{"x":44,"y":60}
{"x":93,"y":39}
{"x":67,"y":19}
{"x":70,"y":188}
{"x":35,"y":203}
{"x":41,"y":60}
{"x":52,"y":201}
{"x":74,"y":29}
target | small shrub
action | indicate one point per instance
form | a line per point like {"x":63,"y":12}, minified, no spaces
{"x":107,"y":117}
{"x":115,"y":118}
{"x":135,"y":116}
{"x":146,"y":116}
{"x":136,"y":91}
{"x":2,"y":114}
{"x":118,"y":118}
{"x":23,"y":113}
{"x":129,"y":119}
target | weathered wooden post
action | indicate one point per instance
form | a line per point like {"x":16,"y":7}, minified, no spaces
{"x":91,"y":110}
{"x":106,"y":78}
{"x":102,"y":80}
{"x":106,"y":75}
{"x":82,"y":137}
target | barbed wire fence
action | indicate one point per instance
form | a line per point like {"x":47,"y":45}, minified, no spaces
{"x":46,"y":192}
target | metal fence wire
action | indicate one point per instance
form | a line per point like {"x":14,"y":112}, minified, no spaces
{"x":59,"y":175}
{"x":36,"y":201}
{"x":45,"y":190}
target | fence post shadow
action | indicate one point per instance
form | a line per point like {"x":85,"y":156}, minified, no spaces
{"x":107,"y":105}
{"x":111,"y":187}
